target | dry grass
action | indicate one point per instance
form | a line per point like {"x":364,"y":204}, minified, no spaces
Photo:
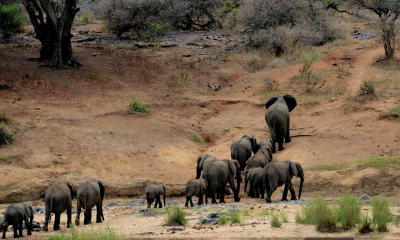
{"x":209,"y":137}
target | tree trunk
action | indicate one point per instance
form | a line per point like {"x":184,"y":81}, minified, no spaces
{"x":389,"y":36}
{"x":54,"y":33}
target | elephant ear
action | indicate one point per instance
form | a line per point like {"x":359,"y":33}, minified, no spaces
{"x":270,"y":102}
{"x":300,"y":170}
{"x":69,"y":184}
{"x":232,"y":167}
{"x":28,"y":210}
{"x":254,"y":144}
{"x":102,"y":189}
{"x":200,"y":160}
{"x":293,"y":166}
{"x":290,"y":101}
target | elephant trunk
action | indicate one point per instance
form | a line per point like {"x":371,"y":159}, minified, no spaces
{"x":301,"y":186}
{"x":198,"y":171}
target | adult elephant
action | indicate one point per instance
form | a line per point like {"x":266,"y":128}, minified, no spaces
{"x":218,"y":173}
{"x":260,"y":159}
{"x":267,"y":142}
{"x":154,"y":192}
{"x":278,"y":173}
{"x":202,"y":162}
{"x":90,"y":194}
{"x":241,"y":149}
{"x":278,"y":118}
{"x":15,"y":215}
{"x":58,"y":198}
{"x":256,"y":178}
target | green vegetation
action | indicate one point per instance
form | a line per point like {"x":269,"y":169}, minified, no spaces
{"x":87,"y":17}
{"x":367,"y":87}
{"x":365,"y":224}
{"x":235,"y":217}
{"x":175,"y":217}
{"x":198,"y":139}
{"x":352,"y":106}
{"x":6,"y":135}
{"x":348,"y":211}
{"x":308,"y":99}
{"x":5,"y":118}
{"x":226,"y":130}
{"x":395,"y":111}
{"x":275,"y":220}
{"x":134,"y":46}
{"x":152,"y":31}
{"x":91,"y":34}
{"x":92,"y":234}
{"x":308,"y":60}
{"x":138,"y":105}
{"x":181,"y":81}
{"x":11,"y":20}
{"x":380,"y":213}
{"x":223,"y":220}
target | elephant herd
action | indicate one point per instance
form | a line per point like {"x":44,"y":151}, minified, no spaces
{"x":253,"y":159}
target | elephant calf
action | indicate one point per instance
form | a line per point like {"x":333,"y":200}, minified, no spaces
{"x":241,"y":150}
{"x":195,"y":187}
{"x":278,"y":173}
{"x":260,"y":159}
{"x":154,"y":192}
{"x":256,"y":178}
{"x":90,"y":194}
{"x":15,"y":215}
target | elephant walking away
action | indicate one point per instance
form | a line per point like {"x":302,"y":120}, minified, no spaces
{"x":58,"y":198}
{"x":241,"y":149}
{"x":278,"y":118}
{"x":260,"y":159}
{"x":90,"y":194}
{"x":218,"y":173}
{"x":256,"y":178}
{"x":195,"y":187}
{"x":267,"y":142}
{"x":202,"y":162}
{"x":15,"y":215}
{"x":278,"y":173}
{"x":154,"y":192}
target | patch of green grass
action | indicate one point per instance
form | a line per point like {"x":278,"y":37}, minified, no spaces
{"x":175,"y":217}
{"x":335,"y":90}
{"x":284,"y":217}
{"x":262,"y":214}
{"x":226,"y":130}
{"x":367,"y":87}
{"x":348,"y":211}
{"x":395,"y":111}
{"x":198,"y":139}
{"x":380,"y":213}
{"x":87,"y":17}
{"x":352,"y":106}
{"x":235,"y":217}
{"x":223,"y":220}
{"x":328,"y":167}
{"x":6,"y":135}
{"x":267,"y":93}
{"x":364,"y":225}
{"x":138,"y":105}
{"x":91,"y":234}
{"x":92,"y":76}
{"x":275,"y":220}
{"x":309,"y":99}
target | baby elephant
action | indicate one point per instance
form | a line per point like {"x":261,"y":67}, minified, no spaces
{"x":154,"y":192}
{"x":15,"y":215}
{"x":90,"y":194}
{"x":196,"y":187}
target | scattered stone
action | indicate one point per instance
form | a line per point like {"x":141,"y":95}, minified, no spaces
{"x":358,"y":124}
{"x":187,"y":55}
{"x":365,"y":197}
{"x":135,"y":203}
{"x":175,"y":229}
{"x":213,"y":222}
{"x":132,"y":213}
{"x":332,"y":99}
{"x":201,"y":222}
{"x":172,"y":202}
{"x":233,"y":210}
{"x":147,"y":233}
{"x":285,"y":207}
{"x":38,"y":210}
{"x":144,"y":210}
{"x":112,"y":204}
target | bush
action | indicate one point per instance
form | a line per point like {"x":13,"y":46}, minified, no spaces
{"x":100,"y":234}
{"x":175,"y":217}
{"x":223,"y":220}
{"x":348,"y":211}
{"x":11,"y":20}
{"x":5,"y":134}
{"x":139,"y":106}
{"x":380,"y":213}
{"x":275,"y":220}
{"x":367,"y":87}
{"x":198,"y":139}
{"x":235,"y":217}
{"x":365,"y":224}
{"x":87,"y":17}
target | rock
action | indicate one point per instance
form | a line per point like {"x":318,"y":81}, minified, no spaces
{"x":201,"y":222}
{"x":147,"y":233}
{"x":213,"y":222}
{"x":132,"y":213}
{"x":186,"y":55}
{"x":358,"y":124}
{"x":112,"y":204}
{"x":175,"y":229}
{"x":332,"y":99}
{"x":171,"y":202}
{"x":233,"y":210}
{"x":39,"y":210}
{"x":74,"y":211}
{"x":213,"y":215}
{"x":365,"y":197}
{"x":144,"y":210}
{"x":135,"y":203}
{"x":285,"y":207}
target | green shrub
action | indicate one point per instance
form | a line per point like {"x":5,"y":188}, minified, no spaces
{"x":380,"y":213}
{"x":11,"y":20}
{"x":152,"y":32}
{"x":308,"y":60}
{"x":235,"y":217}
{"x":139,"y":106}
{"x":87,"y":17}
{"x":348,"y":210}
{"x":365,"y":224}
{"x":175,"y":217}
{"x":223,"y":220}
{"x":5,"y":134}
{"x":92,"y":234}
{"x":275,"y":220}
{"x":367,"y":87}
{"x":198,"y":139}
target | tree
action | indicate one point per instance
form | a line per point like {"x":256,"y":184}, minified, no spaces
{"x":388,"y":12}
{"x":54,"y":30}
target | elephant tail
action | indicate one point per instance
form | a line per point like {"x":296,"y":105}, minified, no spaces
{"x":50,"y":209}
{"x":164,"y":195}
{"x":84,"y":200}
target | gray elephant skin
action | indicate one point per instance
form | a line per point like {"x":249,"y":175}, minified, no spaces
{"x":202,"y":162}
{"x":241,"y":150}
{"x":15,"y":215}
{"x":195,"y":187}
{"x":90,"y":194}
{"x":267,"y":142}
{"x":260,"y":159}
{"x":256,"y":178}
{"x":58,"y":198}
{"x":154,"y":192}
{"x":278,"y":118}
{"x":218,"y":173}
{"x":278,"y":173}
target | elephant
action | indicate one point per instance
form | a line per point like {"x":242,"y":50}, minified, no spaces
{"x":256,"y":178}
{"x":267,"y":142}
{"x":154,"y":192}
{"x":202,"y":162}
{"x":58,"y":198}
{"x":278,"y":173}
{"x":278,"y":118}
{"x":260,"y":159}
{"x":15,"y":215}
{"x":195,"y":187}
{"x":218,"y":173}
{"x":241,"y":149}
{"x":90,"y":194}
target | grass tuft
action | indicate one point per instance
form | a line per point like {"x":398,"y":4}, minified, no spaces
{"x":235,"y":217}
{"x":5,"y":134}
{"x":198,"y":139}
{"x":139,"y":106}
{"x":380,"y":213}
{"x":175,"y":217}
{"x":91,"y":234}
{"x":223,"y":220}
{"x":365,"y":224}
{"x":5,"y":118}
{"x":275,"y":220}
{"x":348,"y":211}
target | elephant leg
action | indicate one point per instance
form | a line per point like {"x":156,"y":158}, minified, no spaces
{"x":222,"y":199}
{"x":251,"y":191}
{"x":292,"y":192}
{"x":159,"y":202}
{"x":191,"y":202}
{"x":155,"y":203}
{"x":78,"y":211}
{"x":281,"y":145}
{"x":213,"y":200}
{"x":15,"y":226}
{"x":89,"y":216}
{"x":285,"y":191}
{"x":98,"y":213}
{"x":287,"y":137}
{"x":56,"y":226}
{"x":187,"y":201}
{"x":28,"y":225}
{"x":273,"y":146}
{"x":5,"y":226}
{"x":200,"y":201}
{"x":257,"y":193}
{"x":21,"y":227}
{"x":69,"y":216}
{"x":262,"y":190}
